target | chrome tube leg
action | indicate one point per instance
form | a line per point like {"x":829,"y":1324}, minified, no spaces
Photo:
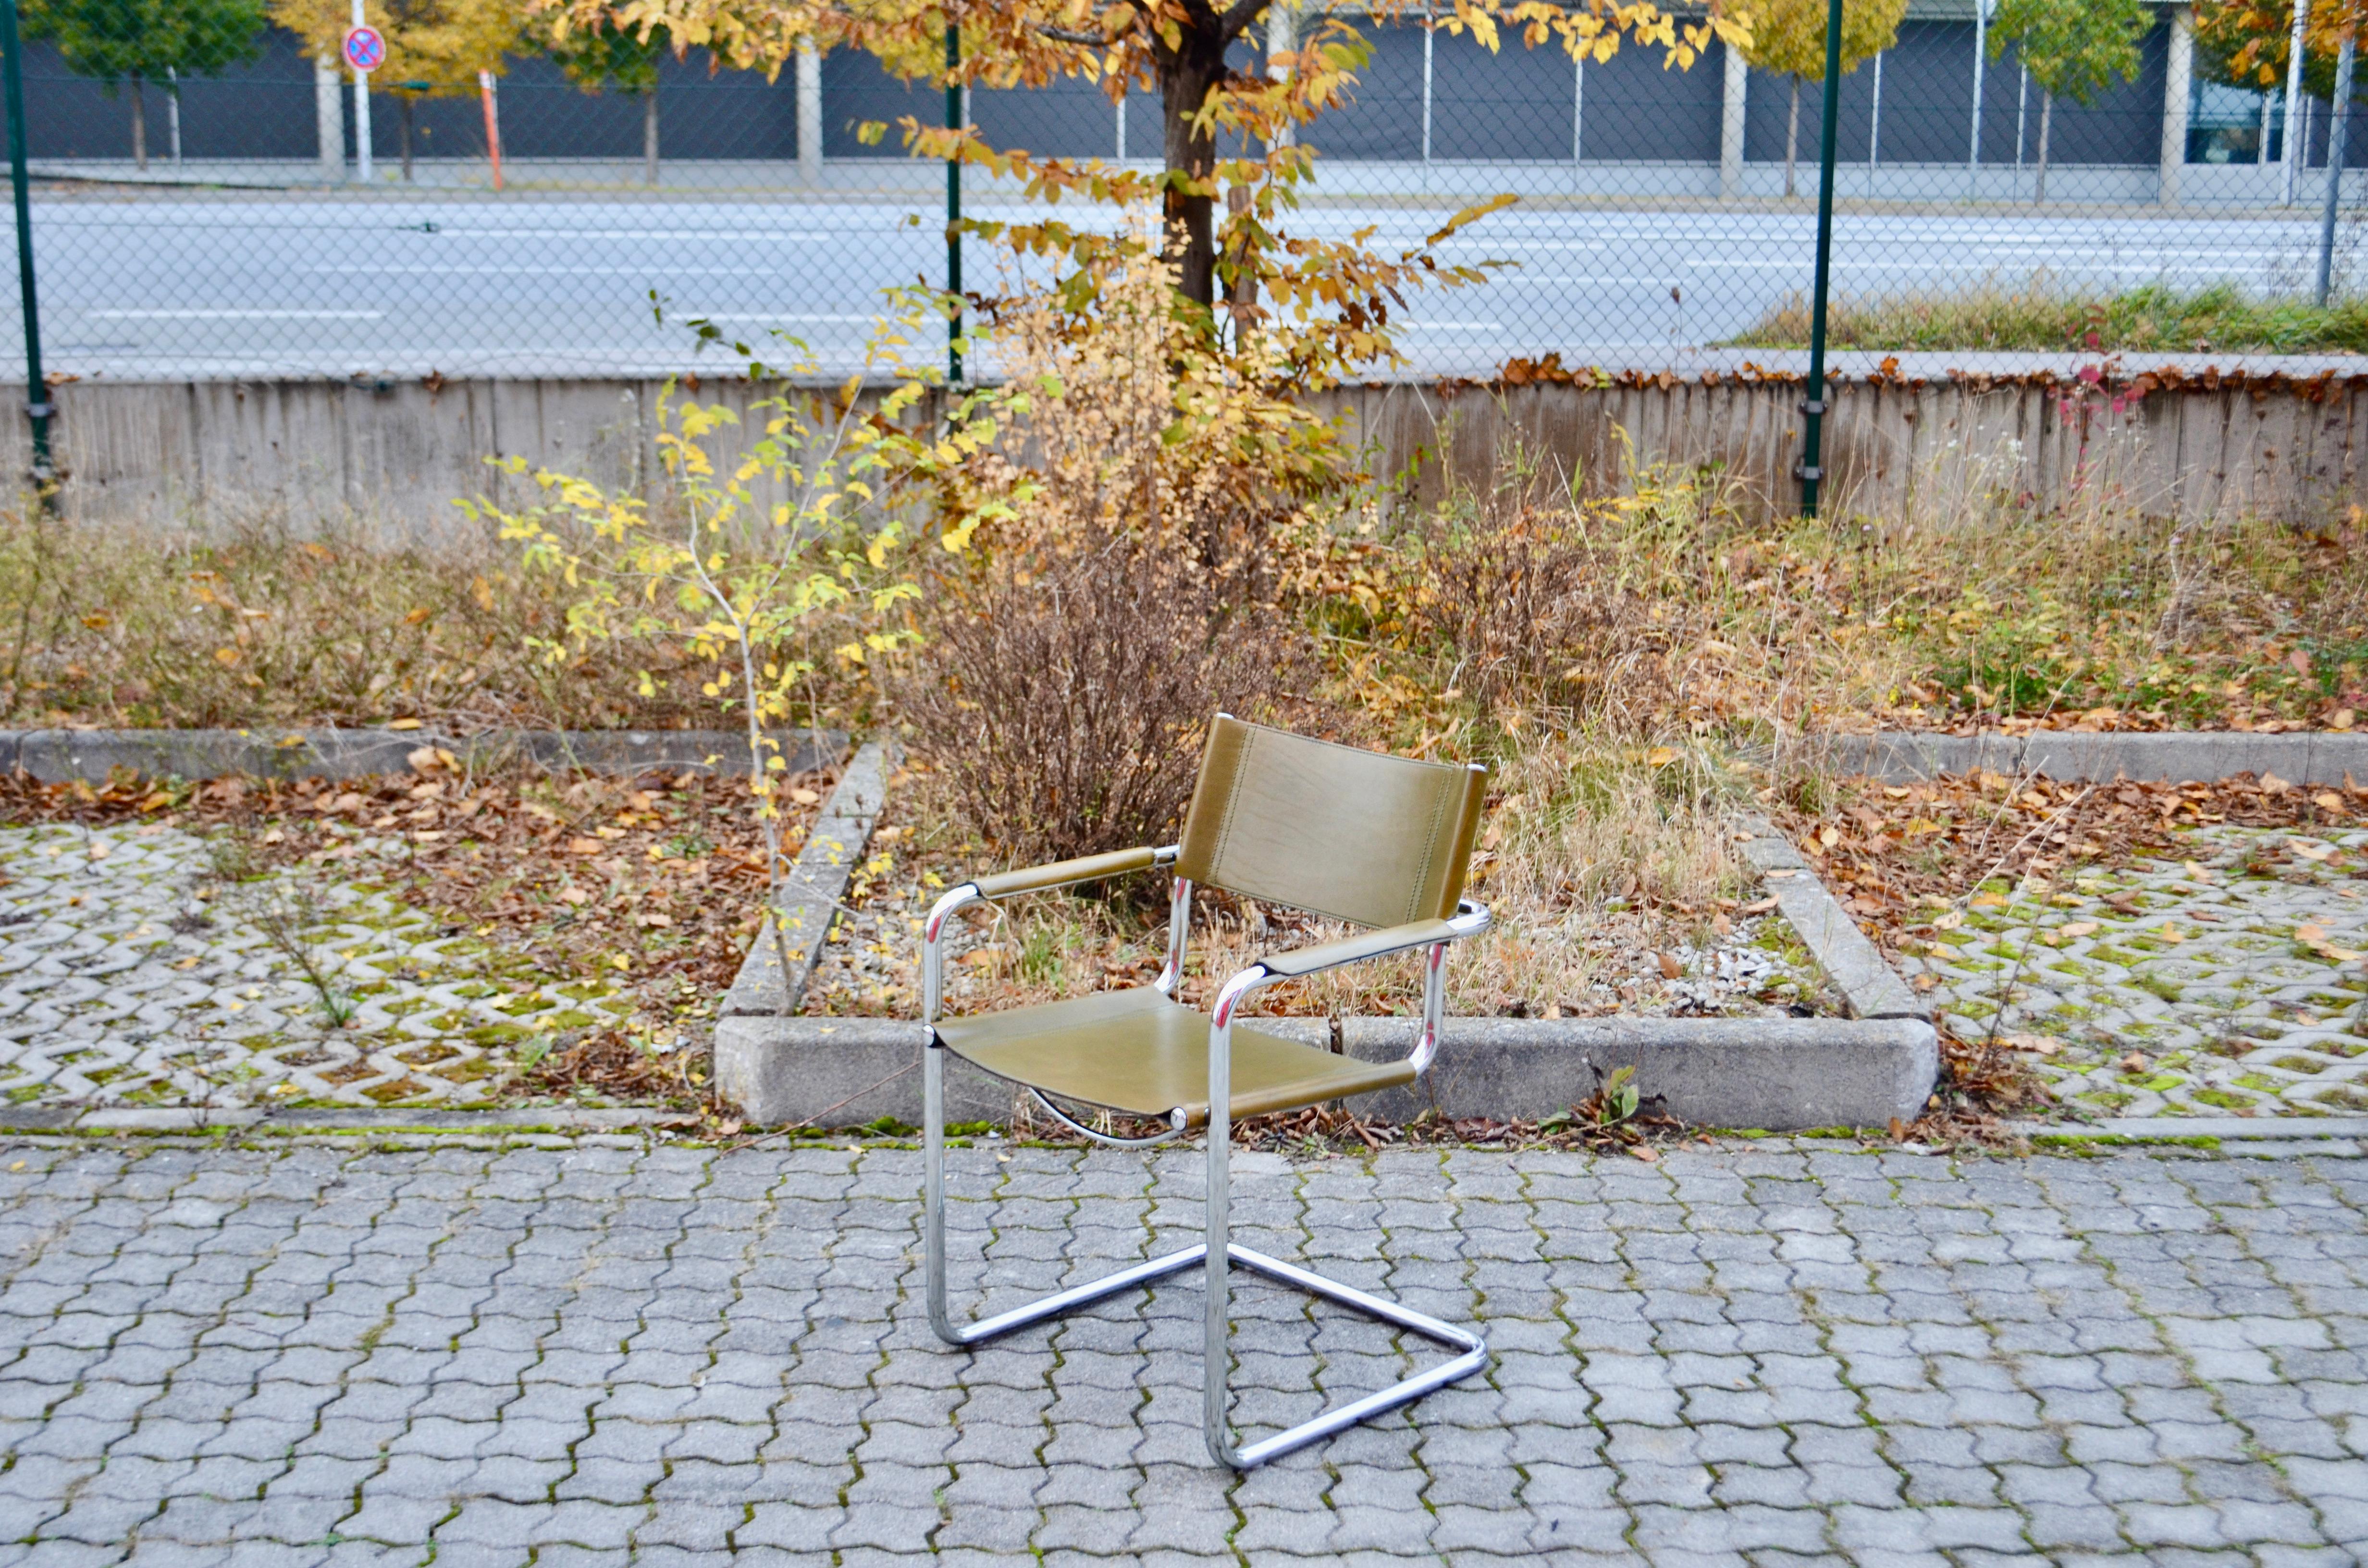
{"x":1216,"y":1361}
{"x":933,"y":1189}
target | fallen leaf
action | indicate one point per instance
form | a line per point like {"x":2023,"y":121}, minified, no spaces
{"x":2077,"y":929}
{"x":576,"y":896}
{"x":2038,"y":1044}
{"x":1670,"y":966}
{"x":1758,"y":907}
{"x":1645,"y":1154}
{"x":2311,"y":851}
{"x":2312,"y":934}
{"x":2172,"y":934}
{"x":2134,"y":1062}
{"x":2197,"y":873}
{"x":805,"y":797}
{"x":1829,"y":835}
{"x":1898,"y":1130}
{"x":2327,"y":800}
{"x":586,"y":847}
{"x":1950,"y":921}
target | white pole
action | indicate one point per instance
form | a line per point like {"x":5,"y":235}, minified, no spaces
{"x":1577,"y":109}
{"x":809,"y":113}
{"x":2022,"y":114}
{"x":2179,"y":85}
{"x":1874,"y":125}
{"x":1122,"y":129}
{"x":1731,"y":124}
{"x":2294,"y":148}
{"x":1981,"y":56}
{"x":329,"y":122}
{"x":362,"y":113}
{"x":173,"y":111}
{"x":1428,"y":35}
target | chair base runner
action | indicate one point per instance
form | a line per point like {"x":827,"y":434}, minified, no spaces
{"x":1473,"y":1349}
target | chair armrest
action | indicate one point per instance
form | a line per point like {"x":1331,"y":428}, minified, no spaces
{"x":1470,"y":919}
{"x":1356,"y":949}
{"x":1061,"y":874}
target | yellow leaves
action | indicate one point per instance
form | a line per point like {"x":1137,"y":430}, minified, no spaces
{"x":226,"y":656}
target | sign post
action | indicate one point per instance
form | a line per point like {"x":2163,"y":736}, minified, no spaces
{"x":492,"y":124}
{"x":364,"y":51}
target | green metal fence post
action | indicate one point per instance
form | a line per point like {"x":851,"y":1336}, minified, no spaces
{"x":1812,"y":440}
{"x":953,"y":208}
{"x":38,"y":407}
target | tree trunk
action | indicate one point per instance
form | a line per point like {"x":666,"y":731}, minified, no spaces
{"x":1187,"y":70}
{"x":139,"y":125}
{"x":650,"y":137}
{"x":2046,"y":120}
{"x":1792,"y":135}
{"x":405,"y":99}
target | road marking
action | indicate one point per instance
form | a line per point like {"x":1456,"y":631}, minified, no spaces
{"x":234,"y":315}
{"x":664,"y":268}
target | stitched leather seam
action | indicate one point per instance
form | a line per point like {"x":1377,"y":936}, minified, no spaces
{"x":1429,"y":853}
{"x":1233,"y":794}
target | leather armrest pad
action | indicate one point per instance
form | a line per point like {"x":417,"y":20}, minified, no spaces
{"x":1061,"y":873}
{"x":1366,"y":945}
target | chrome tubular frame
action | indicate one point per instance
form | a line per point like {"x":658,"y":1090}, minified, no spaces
{"x":1220,"y":1254}
{"x":1217,"y":1254}
{"x":1179,"y":932}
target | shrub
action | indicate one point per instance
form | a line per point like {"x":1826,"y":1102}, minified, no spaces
{"x":1114,"y":586}
{"x":1065,"y":696}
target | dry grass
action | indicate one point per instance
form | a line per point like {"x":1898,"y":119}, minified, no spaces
{"x":2043,"y":313}
{"x":339,"y":624}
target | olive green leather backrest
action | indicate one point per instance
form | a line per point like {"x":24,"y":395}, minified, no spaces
{"x":1358,"y":835}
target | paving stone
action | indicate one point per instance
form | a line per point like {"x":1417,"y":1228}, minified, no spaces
{"x":2025,"y":1402}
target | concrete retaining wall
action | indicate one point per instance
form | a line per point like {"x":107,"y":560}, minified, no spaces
{"x":401,"y":451}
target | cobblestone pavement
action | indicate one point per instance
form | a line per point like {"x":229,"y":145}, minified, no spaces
{"x":1762,"y":1355}
{"x":2228,"y":982}
{"x":119,"y":986}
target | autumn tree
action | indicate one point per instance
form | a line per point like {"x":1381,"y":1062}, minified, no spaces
{"x":128,"y":43}
{"x":1788,"y":39}
{"x":2073,"y":48}
{"x":434,"y":48}
{"x":1178,"y":48}
{"x":601,"y":55}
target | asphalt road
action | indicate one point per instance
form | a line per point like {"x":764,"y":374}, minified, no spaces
{"x":170,"y":287}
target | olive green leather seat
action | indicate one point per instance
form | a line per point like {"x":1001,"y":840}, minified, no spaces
{"x":1138,"y":1053}
{"x":1374,"y":840}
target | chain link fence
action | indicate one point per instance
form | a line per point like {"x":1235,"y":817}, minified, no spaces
{"x":214,"y":223}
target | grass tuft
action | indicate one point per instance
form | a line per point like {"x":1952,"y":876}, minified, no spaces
{"x":2040,"y":314}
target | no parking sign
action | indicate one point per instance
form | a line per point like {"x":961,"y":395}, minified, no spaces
{"x":365,"y":48}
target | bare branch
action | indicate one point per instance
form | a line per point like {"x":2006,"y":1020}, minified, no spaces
{"x":1239,"y":16}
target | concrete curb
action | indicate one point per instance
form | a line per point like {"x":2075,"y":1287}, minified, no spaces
{"x":809,"y":902}
{"x":1770,"y":1074}
{"x":1872,"y":987}
{"x":2315,"y":758}
{"x":60,"y":757}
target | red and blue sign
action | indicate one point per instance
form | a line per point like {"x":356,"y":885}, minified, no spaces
{"x":365,"y":48}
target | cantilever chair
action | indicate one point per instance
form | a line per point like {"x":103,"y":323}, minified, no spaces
{"x":1376,"y":840}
